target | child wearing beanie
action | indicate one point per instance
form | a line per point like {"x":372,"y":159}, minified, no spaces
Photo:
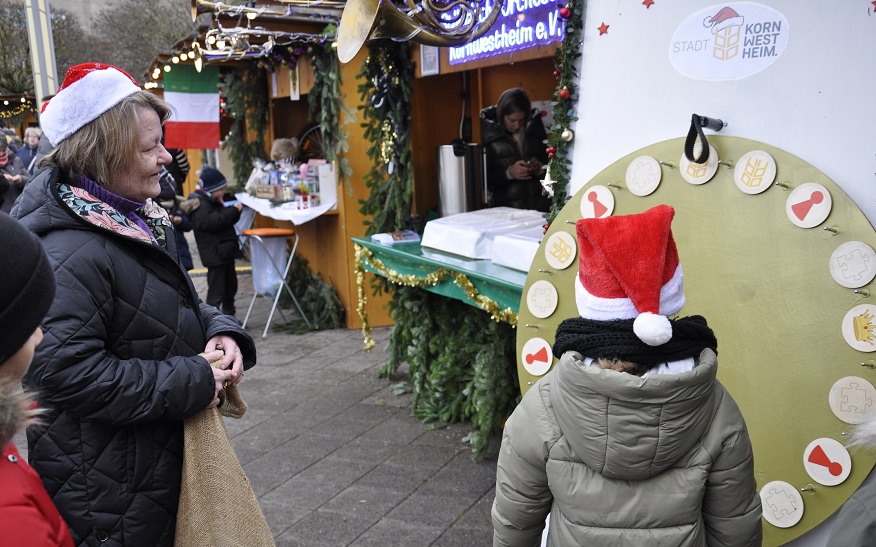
{"x":216,"y":239}
{"x":27,"y":514}
{"x":630,"y":439}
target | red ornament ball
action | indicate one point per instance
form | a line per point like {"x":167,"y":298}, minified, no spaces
{"x":565,"y":12}
{"x":565,"y":94}
{"x":556,"y":74}
{"x":551,"y":150}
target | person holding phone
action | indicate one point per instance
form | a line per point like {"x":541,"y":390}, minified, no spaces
{"x":513,"y":138}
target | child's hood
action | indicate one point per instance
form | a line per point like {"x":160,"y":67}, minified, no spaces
{"x":631,"y":428}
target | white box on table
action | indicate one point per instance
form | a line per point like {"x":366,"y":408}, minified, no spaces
{"x":471,"y":234}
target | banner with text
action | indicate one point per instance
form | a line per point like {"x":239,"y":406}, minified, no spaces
{"x":522,"y":24}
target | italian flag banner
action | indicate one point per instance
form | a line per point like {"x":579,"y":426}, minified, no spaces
{"x":195,"y":99}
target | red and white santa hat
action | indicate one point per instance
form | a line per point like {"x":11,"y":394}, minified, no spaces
{"x":629,"y":269}
{"x":726,"y":17}
{"x":89,"y":90}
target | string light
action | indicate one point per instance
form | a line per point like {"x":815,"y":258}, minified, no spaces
{"x":14,"y":108}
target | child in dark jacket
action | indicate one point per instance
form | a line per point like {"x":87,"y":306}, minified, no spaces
{"x":213,"y":224}
{"x":173,"y":204}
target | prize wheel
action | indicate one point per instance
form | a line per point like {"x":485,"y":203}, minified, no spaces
{"x":310,"y":143}
{"x":780,"y":261}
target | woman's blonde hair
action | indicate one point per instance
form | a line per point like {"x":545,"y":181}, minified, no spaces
{"x":101,"y":148}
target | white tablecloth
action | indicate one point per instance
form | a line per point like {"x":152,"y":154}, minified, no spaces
{"x":284,"y":212}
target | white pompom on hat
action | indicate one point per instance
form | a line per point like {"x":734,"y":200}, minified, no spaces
{"x":628,"y":268}
{"x":89,"y":90}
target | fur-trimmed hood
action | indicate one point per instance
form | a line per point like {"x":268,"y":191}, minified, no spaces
{"x":864,"y":434}
{"x":16,"y":409}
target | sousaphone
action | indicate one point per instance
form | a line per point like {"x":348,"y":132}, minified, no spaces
{"x":441,"y":24}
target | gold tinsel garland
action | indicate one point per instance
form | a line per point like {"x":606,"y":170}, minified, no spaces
{"x":430,"y":280}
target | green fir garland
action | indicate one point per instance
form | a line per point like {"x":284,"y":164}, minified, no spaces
{"x":318,"y":298}
{"x":386,"y":104}
{"x":249,"y":111}
{"x":326,"y":102}
{"x":462,"y":365}
{"x":565,"y":97}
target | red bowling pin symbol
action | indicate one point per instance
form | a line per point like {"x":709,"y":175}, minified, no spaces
{"x":802,"y":209}
{"x":540,"y":355}
{"x":818,"y":457}
{"x":598,"y":208}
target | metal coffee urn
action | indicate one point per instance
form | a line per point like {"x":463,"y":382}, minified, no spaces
{"x":460,"y":177}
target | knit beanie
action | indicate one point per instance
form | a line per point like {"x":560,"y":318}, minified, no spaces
{"x":629,"y":269}
{"x":89,"y":90}
{"x":211,"y":180}
{"x":28,"y":286}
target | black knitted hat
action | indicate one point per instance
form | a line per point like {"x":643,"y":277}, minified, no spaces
{"x":211,"y":179}
{"x":28,"y":286}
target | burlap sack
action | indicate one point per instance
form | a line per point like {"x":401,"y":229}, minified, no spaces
{"x":217,"y":507}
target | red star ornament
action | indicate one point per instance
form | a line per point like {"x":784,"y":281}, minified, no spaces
{"x":603,"y":29}
{"x":648,"y":3}
{"x":874,"y":4}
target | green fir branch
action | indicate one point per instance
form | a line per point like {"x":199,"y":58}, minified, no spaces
{"x":564,"y":109}
{"x":385,"y":101}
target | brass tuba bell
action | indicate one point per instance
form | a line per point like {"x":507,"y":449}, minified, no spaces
{"x":443,"y":25}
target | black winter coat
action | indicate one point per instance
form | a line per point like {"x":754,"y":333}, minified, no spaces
{"x":213,"y":225}
{"x":502,"y":152}
{"x":10,"y":193}
{"x":117,"y":370}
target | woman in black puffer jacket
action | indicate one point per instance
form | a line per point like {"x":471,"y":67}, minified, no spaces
{"x":128,"y":344}
{"x":513,"y":139}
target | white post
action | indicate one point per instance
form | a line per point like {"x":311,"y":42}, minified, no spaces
{"x":42,"y":49}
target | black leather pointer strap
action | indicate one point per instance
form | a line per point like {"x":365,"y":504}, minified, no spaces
{"x":696,"y":131}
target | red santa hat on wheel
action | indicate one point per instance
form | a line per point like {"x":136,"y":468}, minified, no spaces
{"x":629,"y":269}
{"x":89,"y":90}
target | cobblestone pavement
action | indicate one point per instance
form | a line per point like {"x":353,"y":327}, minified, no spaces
{"x":337,"y":459}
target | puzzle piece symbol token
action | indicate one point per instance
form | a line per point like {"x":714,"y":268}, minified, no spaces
{"x":781,"y":504}
{"x":854,"y":265}
{"x":542,"y":299}
{"x":854,"y":399}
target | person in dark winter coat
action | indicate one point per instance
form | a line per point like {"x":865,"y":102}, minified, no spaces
{"x":14,"y":174}
{"x":630,"y":440}
{"x":855,"y":524}
{"x":216,"y":239}
{"x":44,"y":147}
{"x":179,"y":168}
{"x":128,"y":344}
{"x":513,"y":139}
{"x":27,"y":515}
{"x":169,"y":199}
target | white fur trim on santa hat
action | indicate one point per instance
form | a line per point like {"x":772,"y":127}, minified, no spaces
{"x":606,"y":309}
{"x":83,"y":101}
{"x":653,"y":329}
